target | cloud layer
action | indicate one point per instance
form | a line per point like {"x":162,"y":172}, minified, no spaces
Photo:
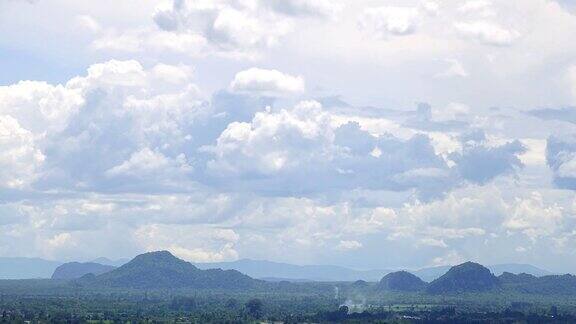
{"x":300,"y":131}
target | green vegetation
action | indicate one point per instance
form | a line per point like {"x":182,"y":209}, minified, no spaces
{"x":158,"y":287}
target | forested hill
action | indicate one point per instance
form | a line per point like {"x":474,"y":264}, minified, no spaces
{"x":466,"y":277}
{"x":162,"y":270}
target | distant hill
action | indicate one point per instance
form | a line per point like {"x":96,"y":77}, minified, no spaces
{"x":74,"y":270}
{"x":466,"y":277}
{"x":267,"y":269}
{"x":516,"y":268}
{"x":162,"y":270}
{"x":546,"y":285}
{"x":114,"y":263}
{"x":401,"y":281}
{"x":27,"y":268}
{"x":432,"y":273}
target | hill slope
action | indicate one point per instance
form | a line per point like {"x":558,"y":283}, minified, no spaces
{"x":74,"y":270}
{"x":162,"y":270}
{"x":401,"y":281}
{"x":466,"y":277}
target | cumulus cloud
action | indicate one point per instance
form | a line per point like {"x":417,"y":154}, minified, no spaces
{"x":21,"y":159}
{"x":115,"y":110}
{"x":283,"y":149}
{"x":388,"y":20}
{"x":271,"y":83}
{"x":561,"y":158}
{"x":481,"y":163}
{"x":236,"y":27}
{"x":134,"y":150}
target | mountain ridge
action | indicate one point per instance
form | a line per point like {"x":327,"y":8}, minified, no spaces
{"x":287,"y":271}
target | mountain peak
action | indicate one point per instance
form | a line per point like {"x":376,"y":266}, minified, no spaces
{"x":465,"y":277}
{"x":401,"y":281}
{"x":159,"y":258}
{"x":156,"y":254}
{"x":161,"y":269}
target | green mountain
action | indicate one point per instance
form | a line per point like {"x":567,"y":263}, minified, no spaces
{"x":74,"y":270}
{"x":401,"y":281}
{"x":466,"y":277}
{"x":162,"y":270}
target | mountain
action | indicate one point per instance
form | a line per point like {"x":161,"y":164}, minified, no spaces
{"x":546,"y":285}
{"x":290,"y":272}
{"x":162,"y":270}
{"x":74,"y":270}
{"x":26,"y":268}
{"x":432,"y":273}
{"x":466,"y":277}
{"x":401,"y":281}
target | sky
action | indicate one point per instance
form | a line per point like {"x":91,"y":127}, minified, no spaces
{"x":365,"y":133}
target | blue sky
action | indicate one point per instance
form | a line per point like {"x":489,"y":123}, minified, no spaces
{"x":371,"y":134}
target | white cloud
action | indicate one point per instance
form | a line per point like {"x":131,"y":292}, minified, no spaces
{"x":227,"y":253}
{"x":388,"y":20}
{"x":60,"y":240}
{"x":487,"y":32}
{"x":533,"y":217}
{"x":239,"y":28}
{"x":145,"y":114}
{"x":38,"y":106}
{"x":449,"y":259}
{"x":348,"y":245}
{"x":139,"y":139}
{"x":20,"y":159}
{"x":147,"y":162}
{"x":263,"y":82}
{"x":326,"y":8}
{"x":206,"y":245}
